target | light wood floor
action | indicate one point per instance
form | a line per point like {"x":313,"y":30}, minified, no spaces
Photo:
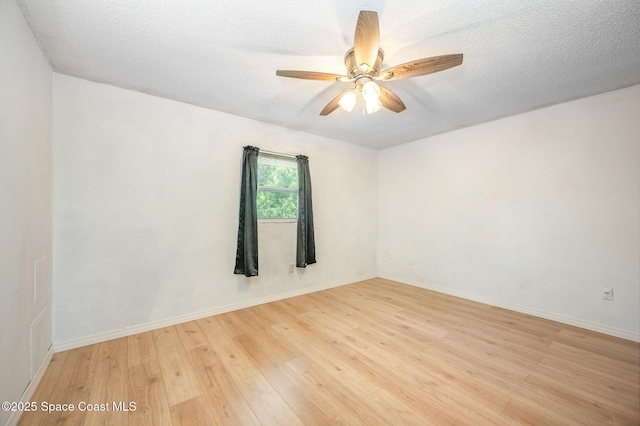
{"x":374,"y":352}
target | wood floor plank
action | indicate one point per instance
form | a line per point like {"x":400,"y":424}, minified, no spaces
{"x":316,"y":317}
{"x":73,"y":386}
{"x":109,"y":389}
{"x":338,"y":363}
{"x":609,"y":346}
{"x":266,"y":314}
{"x":371,"y":302}
{"x":418,"y":325}
{"x":431,"y":372}
{"x":507,"y":335}
{"x":540,"y":327}
{"x":487,"y":373}
{"x":233,"y":324}
{"x":180,"y":381}
{"x":302,"y":399}
{"x":457,"y":398}
{"x":432,"y":313}
{"x":587,"y":392}
{"x":525,"y":412}
{"x":581,"y":400}
{"x":45,"y":389}
{"x":316,"y":323}
{"x":515,"y":348}
{"x":141,"y":348}
{"x":338,"y":421}
{"x":289,"y":314}
{"x":339,"y":307}
{"x":353,"y":410}
{"x":374,"y":349}
{"x":397,"y":412}
{"x":367,"y":353}
{"x":266,"y":402}
{"x":232,"y":357}
{"x":254,"y":318}
{"x":194,"y":411}
{"x":409,"y":394}
{"x":475,"y":362}
{"x":403,"y":335}
{"x":393,"y":348}
{"x":500,"y":358}
{"x":146,"y":389}
{"x":614,"y":367}
{"x":590,"y":375}
{"x":281,"y":347}
{"x":289,"y":332}
{"x":227,"y":403}
{"x":191,"y":335}
{"x":291,"y":305}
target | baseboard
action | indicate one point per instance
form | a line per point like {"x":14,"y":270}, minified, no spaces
{"x":153,"y":325}
{"x":33,"y":384}
{"x":565,"y":319}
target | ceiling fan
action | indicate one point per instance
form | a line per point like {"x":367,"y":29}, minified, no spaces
{"x":363,"y":68}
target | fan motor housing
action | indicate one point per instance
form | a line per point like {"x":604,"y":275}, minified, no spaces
{"x":352,"y":67}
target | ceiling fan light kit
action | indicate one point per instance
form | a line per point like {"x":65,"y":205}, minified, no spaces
{"x":363,"y":64}
{"x":348,"y":100}
{"x":372,"y":106}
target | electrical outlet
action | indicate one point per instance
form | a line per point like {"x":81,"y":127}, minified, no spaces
{"x":291,"y":268}
{"x":607,"y":293}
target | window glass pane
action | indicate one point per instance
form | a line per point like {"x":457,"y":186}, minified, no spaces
{"x":277,"y":187}
{"x":277,"y":205}
{"x":275,"y":176}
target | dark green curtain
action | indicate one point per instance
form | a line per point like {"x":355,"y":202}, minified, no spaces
{"x":247,"y":253}
{"x":306,"y":246}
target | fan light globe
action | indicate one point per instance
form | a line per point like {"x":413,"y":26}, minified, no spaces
{"x":373,"y":105}
{"x":370,"y":91}
{"x":348,"y":101}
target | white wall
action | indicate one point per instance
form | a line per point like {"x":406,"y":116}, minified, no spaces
{"x":25,"y":205}
{"x":535,"y":212}
{"x":146,"y":194}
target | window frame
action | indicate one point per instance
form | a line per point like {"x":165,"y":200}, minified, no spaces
{"x":279,"y":189}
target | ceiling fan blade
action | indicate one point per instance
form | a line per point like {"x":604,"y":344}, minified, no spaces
{"x":334,"y":105}
{"x":421,"y":67}
{"x":310,"y":75}
{"x":366,"y":40}
{"x":391,"y":101}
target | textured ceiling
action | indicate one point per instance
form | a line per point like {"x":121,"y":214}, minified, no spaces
{"x":222,"y":55}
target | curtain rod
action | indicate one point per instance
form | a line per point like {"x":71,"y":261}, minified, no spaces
{"x":279,"y":154}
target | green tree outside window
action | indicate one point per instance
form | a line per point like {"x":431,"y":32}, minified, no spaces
{"x":277,"y":188}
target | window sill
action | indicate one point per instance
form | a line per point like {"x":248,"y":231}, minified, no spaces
{"x":277,"y":220}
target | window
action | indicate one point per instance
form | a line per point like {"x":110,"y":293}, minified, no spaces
{"x":277,"y":187}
